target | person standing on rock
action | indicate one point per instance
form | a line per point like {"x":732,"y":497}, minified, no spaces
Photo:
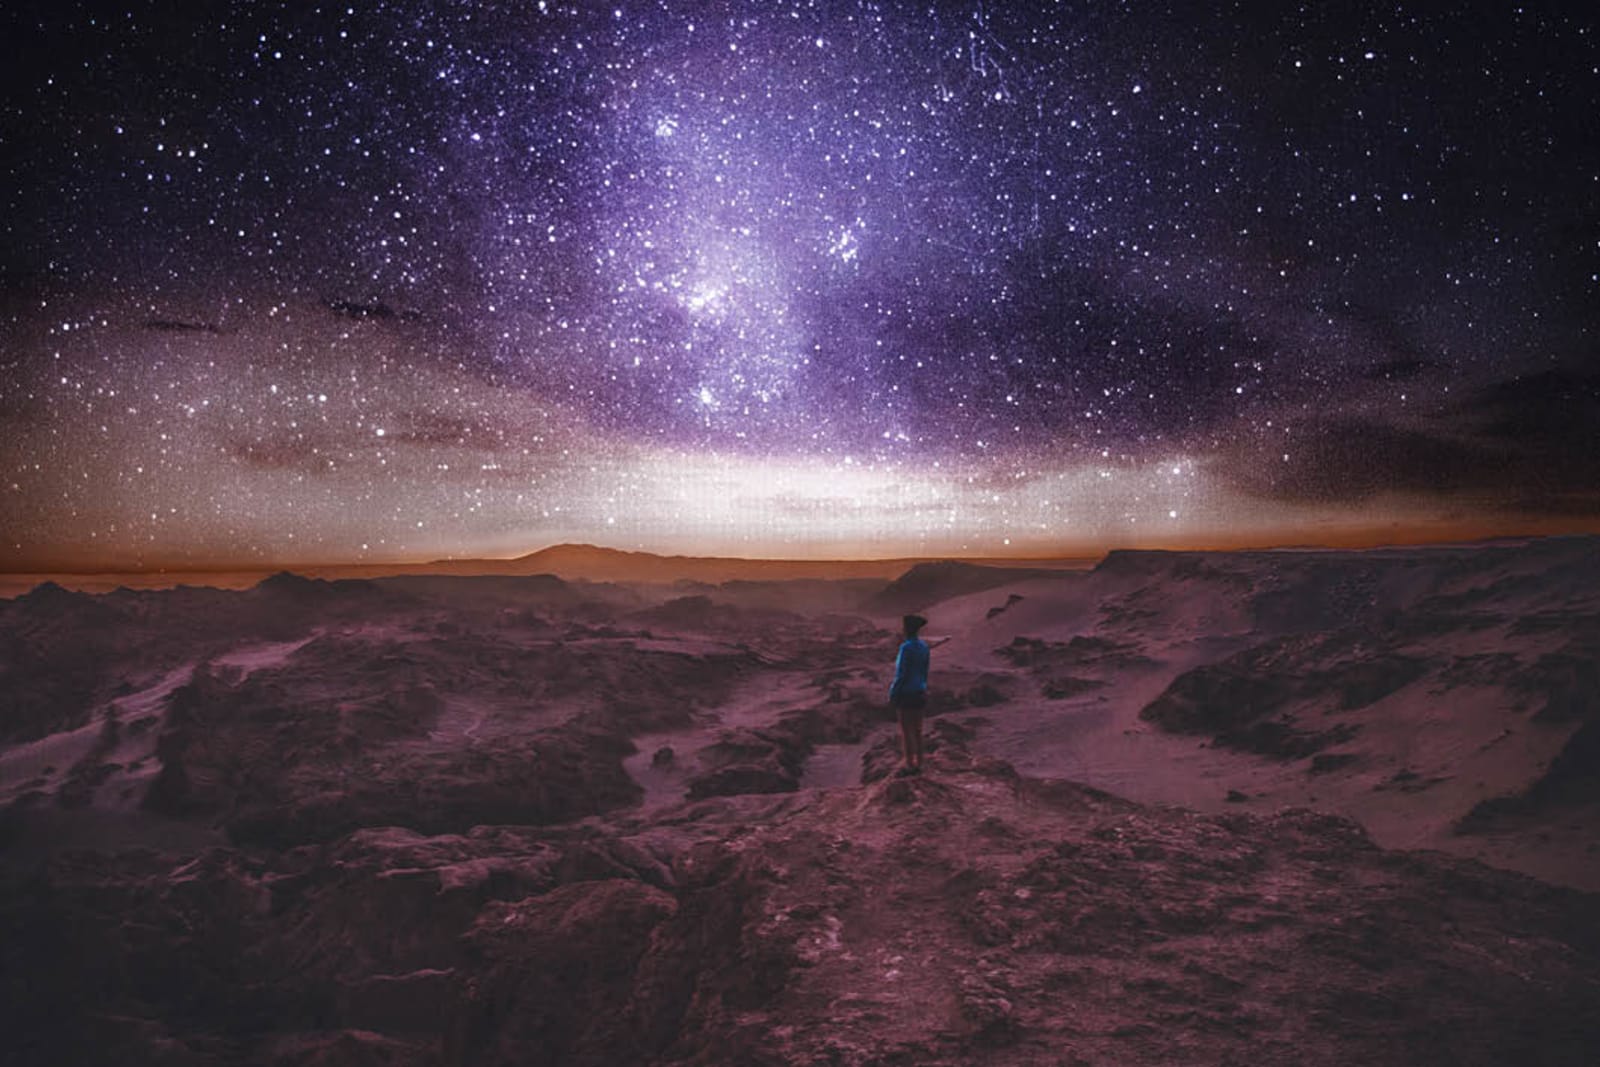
{"x":909,"y":693}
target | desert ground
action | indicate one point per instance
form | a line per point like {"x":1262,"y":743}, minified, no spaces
{"x":1291,"y":806}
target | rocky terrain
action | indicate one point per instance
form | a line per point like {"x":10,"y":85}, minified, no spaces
{"x":1182,"y":808}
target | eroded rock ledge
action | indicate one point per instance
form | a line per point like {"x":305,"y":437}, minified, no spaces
{"x":972,"y":915}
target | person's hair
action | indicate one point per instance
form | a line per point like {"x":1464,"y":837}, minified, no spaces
{"x":913,"y":623}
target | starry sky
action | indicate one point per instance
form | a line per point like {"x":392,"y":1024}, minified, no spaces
{"x":397,"y":281}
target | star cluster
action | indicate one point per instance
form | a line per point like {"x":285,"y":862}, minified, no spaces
{"x":288,"y":282}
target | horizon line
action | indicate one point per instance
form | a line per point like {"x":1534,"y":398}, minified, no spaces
{"x":1099,"y":553}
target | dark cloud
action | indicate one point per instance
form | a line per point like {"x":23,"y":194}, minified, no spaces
{"x":1382,"y":328}
{"x":1349,"y":459}
{"x":181,"y":326}
{"x":1553,"y":409}
{"x":439,"y":428}
{"x":375,"y":310}
{"x":322,"y":449}
{"x":1399,"y":370}
{"x":283,"y":453}
{"x":1528,"y":445}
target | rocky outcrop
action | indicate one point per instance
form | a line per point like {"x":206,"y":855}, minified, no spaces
{"x":772,"y":759}
{"x":436,"y":852}
{"x":1571,"y":780}
{"x":1245,"y":701}
{"x":972,"y":915}
{"x":929,"y":583}
{"x":279,"y":772}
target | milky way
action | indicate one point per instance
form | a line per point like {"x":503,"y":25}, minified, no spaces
{"x":293,"y":283}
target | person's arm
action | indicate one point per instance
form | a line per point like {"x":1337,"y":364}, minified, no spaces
{"x":937,"y":641}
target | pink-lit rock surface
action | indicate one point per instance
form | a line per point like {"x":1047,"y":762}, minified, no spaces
{"x":1308,"y":807}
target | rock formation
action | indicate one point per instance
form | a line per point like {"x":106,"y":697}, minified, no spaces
{"x":523,"y":821}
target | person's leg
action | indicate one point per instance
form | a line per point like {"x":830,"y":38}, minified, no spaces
{"x":907,"y":745}
{"x":913,"y":721}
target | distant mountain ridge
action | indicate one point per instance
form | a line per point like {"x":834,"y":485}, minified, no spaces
{"x":589,"y":562}
{"x":570,"y":562}
{"x":584,"y":561}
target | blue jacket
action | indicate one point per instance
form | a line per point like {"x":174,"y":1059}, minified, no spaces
{"x":910,"y":668}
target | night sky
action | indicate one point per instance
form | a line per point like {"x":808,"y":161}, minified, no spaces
{"x":293,"y":283}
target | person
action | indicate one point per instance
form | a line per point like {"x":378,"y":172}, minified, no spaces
{"x":909,"y":692}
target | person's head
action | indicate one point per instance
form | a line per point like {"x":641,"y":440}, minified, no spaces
{"x":913,"y":624}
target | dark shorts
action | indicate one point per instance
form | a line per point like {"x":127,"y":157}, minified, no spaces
{"x":912,"y":702}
